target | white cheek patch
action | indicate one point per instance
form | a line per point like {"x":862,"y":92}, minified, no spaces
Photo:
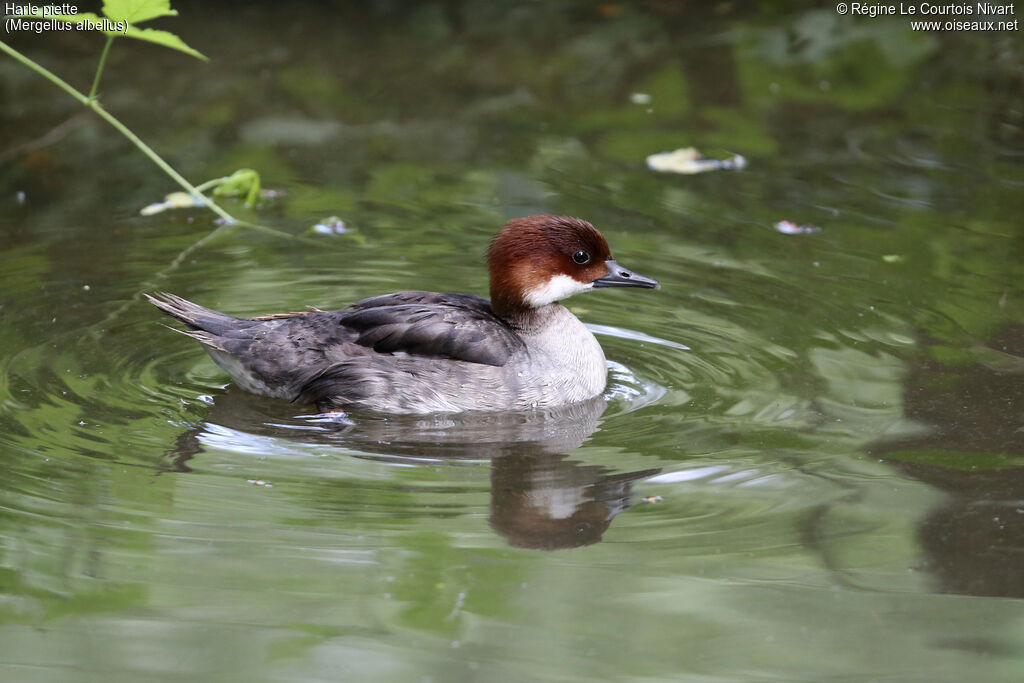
{"x":555,"y":289}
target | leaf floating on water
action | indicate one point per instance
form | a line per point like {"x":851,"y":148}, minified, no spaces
{"x":680,"y":161}
{"x":791,"y":228}
{"x":175,"y":200}
{"x":332,"y":225}
{"x":690,"y":161}
{"x":245,"y":182}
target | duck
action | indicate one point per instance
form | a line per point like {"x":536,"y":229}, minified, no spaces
{"x":420,"y":352}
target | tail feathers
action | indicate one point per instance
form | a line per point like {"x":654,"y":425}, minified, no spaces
{"x":204,"y":324}
{"x":204,"y":338}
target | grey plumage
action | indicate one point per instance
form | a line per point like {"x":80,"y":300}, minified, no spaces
{"x":393,"y":352}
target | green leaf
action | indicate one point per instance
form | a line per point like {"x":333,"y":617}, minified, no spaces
{"x":244,"y":181}
{"x":137,"y":11}
{"x":165,"y":38}
{"x":124,"y":14}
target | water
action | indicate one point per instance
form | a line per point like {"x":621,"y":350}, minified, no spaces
{"x":807,"y":465}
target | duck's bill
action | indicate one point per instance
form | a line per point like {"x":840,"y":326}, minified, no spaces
{"x":623,"y":277}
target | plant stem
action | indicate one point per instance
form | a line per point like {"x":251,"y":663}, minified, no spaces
{"x":210,"y":183}
{"x":99,"y":69}
{"x":156,"y":159}
{"x":121,"y":128}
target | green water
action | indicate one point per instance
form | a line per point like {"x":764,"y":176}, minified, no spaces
{"x":808,"y":465}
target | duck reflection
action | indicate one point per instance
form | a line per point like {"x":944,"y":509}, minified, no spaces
{"x":546,"y":501}
{"x":540,"y":498}
{"x":973,"y":452}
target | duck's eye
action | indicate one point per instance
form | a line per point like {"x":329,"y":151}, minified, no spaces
{"x":580,"y":257}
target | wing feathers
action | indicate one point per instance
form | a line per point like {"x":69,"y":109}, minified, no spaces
{"x":456,"y":326}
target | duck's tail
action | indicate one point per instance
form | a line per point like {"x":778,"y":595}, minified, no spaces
{"x":205,"y":324}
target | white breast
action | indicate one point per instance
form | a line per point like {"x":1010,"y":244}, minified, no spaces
{"x":564,"y":362}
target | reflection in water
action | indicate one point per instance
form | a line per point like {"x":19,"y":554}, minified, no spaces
{"x":539,"y":498}
{"x":973,"y":543}
{"x":545,"y":501}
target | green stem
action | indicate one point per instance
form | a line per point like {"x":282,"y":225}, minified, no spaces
{"x":99,"y":69}
{"x":156,"y":159}
{"x":121,"y":128}
{"x":210,"y":183}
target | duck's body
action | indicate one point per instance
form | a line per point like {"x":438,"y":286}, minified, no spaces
{"x":425,"y":352}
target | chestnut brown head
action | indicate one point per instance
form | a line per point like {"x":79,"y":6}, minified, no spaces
{"x":538,"y":260}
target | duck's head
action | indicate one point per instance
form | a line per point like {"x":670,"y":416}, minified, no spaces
{"x":538,"y":260}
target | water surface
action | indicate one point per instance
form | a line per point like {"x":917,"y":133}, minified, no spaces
{"x":808,"y":462}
